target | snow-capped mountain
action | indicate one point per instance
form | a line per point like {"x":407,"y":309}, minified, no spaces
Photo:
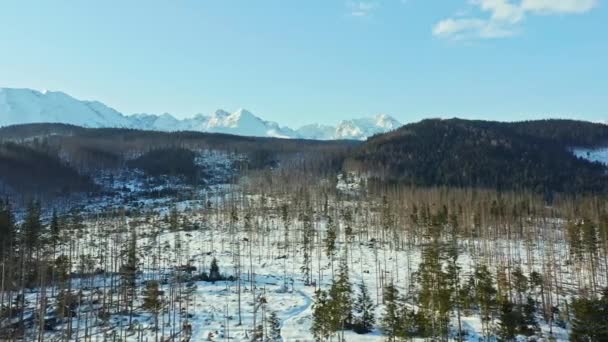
{"x":241,"y":122}
{"x":21,"y":106}
{"x":317,"y":132}
{"x":365,"y":127}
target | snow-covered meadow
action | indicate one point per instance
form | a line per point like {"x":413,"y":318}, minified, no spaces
{"x":257,"y":240}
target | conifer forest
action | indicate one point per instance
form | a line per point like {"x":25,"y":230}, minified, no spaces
{"x":221,"y":238}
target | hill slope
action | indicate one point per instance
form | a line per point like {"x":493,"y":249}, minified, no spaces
{"x":531,"y":155}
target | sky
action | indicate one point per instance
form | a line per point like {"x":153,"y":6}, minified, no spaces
{"x":303,"y":61}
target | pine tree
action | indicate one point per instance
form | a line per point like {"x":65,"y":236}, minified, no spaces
{"x":7,"y":228}
{"x":322,"y":323}
{"x":330,"y":240}
{"x":590,"y":242}
{"x":537,"y":281}
{"x":307,"y":236}
{"x":214,"y":271}
{"x":574,"y":240}
{"x":364,"y":310}
{"x":348,"y":223}
{"x":467,"y":294}
{"x":32,"y":226}
{"x":520,"y":283}
{"x":62,"y":271}
{"x":486,"y":295}
{"x":128,"y":273}
{"x":55,"y":227}
{"x":435,"y":295}
{"x":590,"y":323}
{"x":340,"y":300}
{"x":274,"y":335}
{"x":153,"y":302}
{"x":509,"y":320}
{"x":173,"y":219}
{"x":529,"y":322}
{"x":583,"y":328}
{"x":392,"y":320}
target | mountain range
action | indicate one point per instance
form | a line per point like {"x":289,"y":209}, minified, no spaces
{"x":24,"y":106}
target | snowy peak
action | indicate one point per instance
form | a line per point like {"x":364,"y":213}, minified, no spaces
{"x":20,"y":106}
{"x":365,"y":127}
{"x":23,"y":106}
{"x":386,"y":122}
{"x":243,"y":122}
{"x":241,"y":118}
{"x":317,"y":132}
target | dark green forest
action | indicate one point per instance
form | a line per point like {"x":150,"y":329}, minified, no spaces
{"x":32,"y":169}
{"x":531,"y":155}
{"x":168,"y":161}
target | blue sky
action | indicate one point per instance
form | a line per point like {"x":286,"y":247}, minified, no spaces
{"x":305,"y":61}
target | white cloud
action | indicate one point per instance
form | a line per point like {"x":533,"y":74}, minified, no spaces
{"x":504,"y":17}
{"x":470,"y":28}
{"x":558,"y":6}
{"x":361,"y":8}
{"x":500,"y":10}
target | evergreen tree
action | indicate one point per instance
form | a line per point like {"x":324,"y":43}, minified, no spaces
{"x":520,"y":283}
{"x":529,"y":322}
{"x":467,"y":294}
{"x":55,"y":227}
{"x":274,"y":335}
{"x":364,"y":310}
{"x":509,"y":320}
{"x":574,"y":240}
{"x":537,"y":281}
{"x":435,"y":295}
{"x":590,"y":322}
{"x":62,"y":271}
{"x":486,"y":295}
{"x":32,"y":227}
{"x":323,"y":320}
{"x":152,"y":300}
{"x":174,"y":219}
{"x":128,"y":273}
{"x":7,"y":228}
{"x":392,"y":320}
{"x":307,"y":236}
{"x":340,"y":302}
{"x":214,"y":271}
{"x":330,"y":239}
{"x":591,"y":243}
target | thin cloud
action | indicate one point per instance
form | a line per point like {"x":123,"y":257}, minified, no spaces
{"x":503,"y":17}
{"x":361,"y":8}
{"x":559,"y":6}
{"x":466,"y":28}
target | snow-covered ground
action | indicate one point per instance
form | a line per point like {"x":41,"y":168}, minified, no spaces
{"x":268,"y":258}
{"x":595,"y":155}
{"x":269,"y":269}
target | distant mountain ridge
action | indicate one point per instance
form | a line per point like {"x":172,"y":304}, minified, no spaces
{"x":24,"y":106}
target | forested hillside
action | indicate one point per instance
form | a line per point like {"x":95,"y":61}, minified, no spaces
{"x":71,"y":154}
{"x":531,"y":155}
{"x":212,"y":237}
{"x":169,"y":161}
{"x":35,"y":169}
{"x":570,"y":133}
